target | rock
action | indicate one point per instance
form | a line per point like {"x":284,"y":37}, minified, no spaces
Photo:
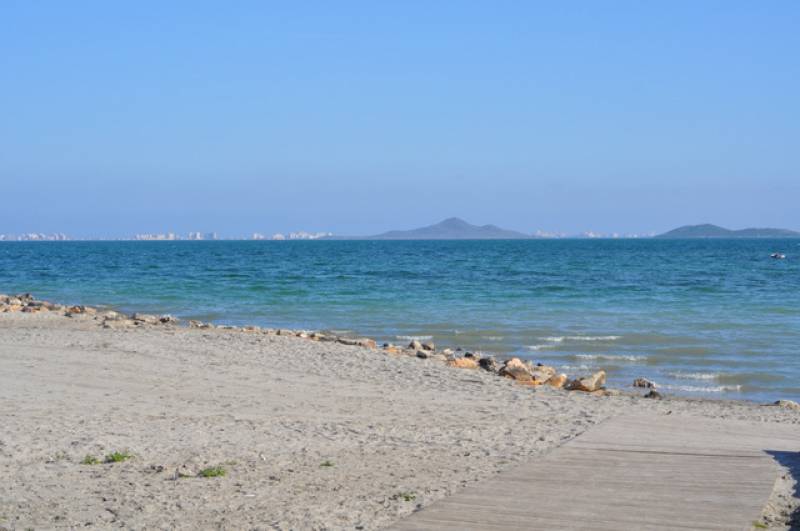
{"x":415,"y":345}
{"x":644,"y":382}
{"x":367,"y":343}
{"x":391,"y":349}
{"x":111,"y":315}
{"x":167,"y":319}
{"x":428,"y":346}
{"x":252,"y":329}
{"x":789,"y":404}
{"x":487,"y":364}
{"x":145,"y":318}
{"x":463,"y":363}
{"x":186,"y":471}
{"x":516,"y":370}
{"x":470,"y":355}
{"x":448,"y":352}
{"x":558,"y":381}
{"x":422,"y":354}
{"x":347,"y":341}
{"x":284,"y":332}
{"x":654,"y":394}
{"x":589,"y":383}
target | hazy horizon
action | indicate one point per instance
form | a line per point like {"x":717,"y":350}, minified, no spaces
{"x":359,"y":118}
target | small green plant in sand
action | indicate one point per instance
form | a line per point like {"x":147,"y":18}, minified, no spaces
{"x":90,"y":460}
{"x":326,"y":464}
{"x":759,"y":525}
{"x":118,"y":457}
{"x":212,"y":472}
{"x":405,"y":496}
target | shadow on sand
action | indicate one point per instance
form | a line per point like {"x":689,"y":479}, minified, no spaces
{"x":790,"y":460}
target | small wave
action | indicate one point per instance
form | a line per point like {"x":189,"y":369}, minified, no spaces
{"x":413,"y":338}
{"x":569,"y":368}
{"x":561,"y":339}
{"x":701,"y":389}
{"x":539,"y":347}
{"x":610,"y":357}
{"x":593,"y":338}
{"x":492,"y":338}
{"x":693,"y":375}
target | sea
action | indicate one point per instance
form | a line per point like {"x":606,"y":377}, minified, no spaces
{"x":701,"y":318}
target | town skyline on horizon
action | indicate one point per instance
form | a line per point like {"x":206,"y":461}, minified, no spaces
{"x":319,"y":235}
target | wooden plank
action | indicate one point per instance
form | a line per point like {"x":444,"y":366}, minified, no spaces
{"x":630,"y":472}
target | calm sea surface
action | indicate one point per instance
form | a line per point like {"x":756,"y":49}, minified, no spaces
{"x":703,"y":318}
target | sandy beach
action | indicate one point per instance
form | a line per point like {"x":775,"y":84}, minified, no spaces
{"x":308,"y":434}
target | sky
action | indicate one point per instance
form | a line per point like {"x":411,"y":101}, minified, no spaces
{"x":358,"y":117}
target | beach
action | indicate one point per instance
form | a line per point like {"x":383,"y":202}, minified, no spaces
{"x":293,"y":433}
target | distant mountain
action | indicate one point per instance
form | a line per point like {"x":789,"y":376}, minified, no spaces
{"x":452,"y":229}
{"x":714,"y":231}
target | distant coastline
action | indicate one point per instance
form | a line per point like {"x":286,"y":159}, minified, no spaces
{"x":448,"y":229}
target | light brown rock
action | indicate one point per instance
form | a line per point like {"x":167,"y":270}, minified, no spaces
{"x":415,"y":345}
{"x":789,"y":404}
{"x":558,"y":381}
{"x":517,"y":370}
{"x":463,"y":363}
{"x":589,"y":383}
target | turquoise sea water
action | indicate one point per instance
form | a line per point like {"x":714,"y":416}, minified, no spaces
{"x":715,"y":318}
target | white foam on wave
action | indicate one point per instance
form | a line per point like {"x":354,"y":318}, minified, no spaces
{"x":561,"y":339}
{"x":539,"y":347}
{"x":414,"y":338}
{"x":582,"y":367}
{"x":610,"y":357}
{"x":702,"y":389}
{"x":693,"y":375}
{"x":493,"y":338}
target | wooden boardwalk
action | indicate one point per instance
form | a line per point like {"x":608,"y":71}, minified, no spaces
{"x":630,"y":472}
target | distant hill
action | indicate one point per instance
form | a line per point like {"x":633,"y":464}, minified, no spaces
{"x":452,"y":229}
{"x":714,"y":231}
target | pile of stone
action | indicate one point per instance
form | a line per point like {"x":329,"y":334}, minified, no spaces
{"x":26,"y":303}
{"x":523,"y":372}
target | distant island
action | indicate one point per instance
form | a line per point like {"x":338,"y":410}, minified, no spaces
{"x":452,"y":229}
{"x":714,"y":231}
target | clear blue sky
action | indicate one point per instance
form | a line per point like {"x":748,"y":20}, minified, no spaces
{"x":357,"y":117}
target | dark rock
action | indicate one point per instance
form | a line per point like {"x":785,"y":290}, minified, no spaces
{"x":644,"y":382}
{"x":654,"y":394}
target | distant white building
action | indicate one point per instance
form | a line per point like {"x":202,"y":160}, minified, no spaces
{"x":35,"y":237}
{"x":170,"y":236}
{"x":278,"y":236}
{"x":258,"y":236}
{"x":195,"y":236}
{"x":302,"y":235}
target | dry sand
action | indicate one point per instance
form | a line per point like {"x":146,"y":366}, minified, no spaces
{"x":397,"y":432}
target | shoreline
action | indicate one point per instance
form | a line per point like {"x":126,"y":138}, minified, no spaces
{"x":524,"y":371}
{"x":236,"y":428}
